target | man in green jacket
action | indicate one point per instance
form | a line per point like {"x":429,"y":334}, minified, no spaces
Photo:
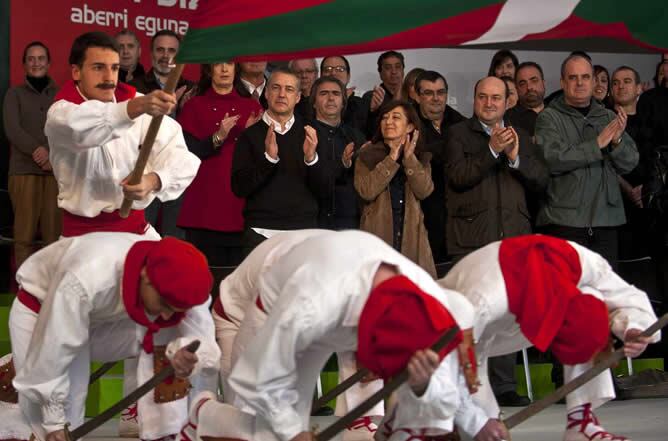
{"x":585,"y":146}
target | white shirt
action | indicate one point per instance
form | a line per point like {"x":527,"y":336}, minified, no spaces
{"x":95,"y":145}
{"x":78,"y":281}
{"x":240,"y":288}
{"x":282,"y":131}
{"x":252,"y":88}
{"x":478,"y":277}
{"x":314,"y":296}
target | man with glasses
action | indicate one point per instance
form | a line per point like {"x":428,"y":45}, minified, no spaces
{"x":355,"y":112}
{"x":307,"y":71}
{"x":437,"y":117}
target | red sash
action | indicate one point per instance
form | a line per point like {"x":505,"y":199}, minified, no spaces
{"x":29,"y":300}
{"x":74,"y":225}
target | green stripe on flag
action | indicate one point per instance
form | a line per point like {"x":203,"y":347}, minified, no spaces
{"x":647,"y":20}
{"x":338,"y":23}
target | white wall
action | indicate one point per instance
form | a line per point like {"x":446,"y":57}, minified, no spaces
{"x":463,"y":67}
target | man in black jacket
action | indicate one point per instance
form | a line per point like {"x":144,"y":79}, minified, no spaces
{"x":437,"y":117}
{"x":490,"y":168}
{"x":337,"y":142}
{"x":356,"y":110}
{"x":276,"y":168}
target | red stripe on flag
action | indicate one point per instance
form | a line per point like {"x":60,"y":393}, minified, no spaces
{"x":229,"y":12}
{"x":576,"y":27}
{"x":452,"y":31}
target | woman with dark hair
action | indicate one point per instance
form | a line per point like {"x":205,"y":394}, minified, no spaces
{"x":602,"y":85}
{"x":212,"y":120}
{"x":504,"y":64}
{"x":392,"y":175}
{"x":512,"y":92}
{"x":408,"y":92}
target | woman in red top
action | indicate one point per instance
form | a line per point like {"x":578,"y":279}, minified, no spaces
{"x":212,"y":120}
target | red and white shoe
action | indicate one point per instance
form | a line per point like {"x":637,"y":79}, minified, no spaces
{"x":128,"y":425}
{"x":362,"y":429}
{"x":584,"y":426}
{"x":189,"y":431}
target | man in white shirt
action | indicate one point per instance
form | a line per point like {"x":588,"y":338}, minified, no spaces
{"x":336,"y":292}
{"x":95,"y":129}
{"x":550,"y":293}
{"x":238,"y":295}
{"x":106,"y":297}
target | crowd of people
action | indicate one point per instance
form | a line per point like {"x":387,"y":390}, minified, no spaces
{"x":247,"y":154}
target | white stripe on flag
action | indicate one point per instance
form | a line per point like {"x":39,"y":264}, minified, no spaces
{"x":519,"y":18}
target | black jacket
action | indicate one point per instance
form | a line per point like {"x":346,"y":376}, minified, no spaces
{"x":433,"y":206}
{"x":340,"y":207}
{"x":486,"y":197}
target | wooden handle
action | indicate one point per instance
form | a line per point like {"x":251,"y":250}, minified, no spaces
{"x":147,"y":145}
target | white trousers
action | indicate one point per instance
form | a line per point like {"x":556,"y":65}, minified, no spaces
{"x":110,"y":342}
{"x":597,"y":391}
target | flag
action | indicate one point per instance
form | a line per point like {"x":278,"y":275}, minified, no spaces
{"x":288,"y":29}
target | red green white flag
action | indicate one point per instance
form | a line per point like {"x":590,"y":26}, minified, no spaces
{"x":288,"y":29}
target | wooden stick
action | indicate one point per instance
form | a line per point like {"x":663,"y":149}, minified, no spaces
{"x":147,"y":145}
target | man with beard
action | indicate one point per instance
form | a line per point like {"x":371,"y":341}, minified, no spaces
{"x":164,"y":47}
{"x":32,"y":188}
{"x":130,"y":53}
{"x":531,"y":91}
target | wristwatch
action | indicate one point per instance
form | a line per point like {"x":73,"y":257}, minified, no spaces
{"x":216,"y":140}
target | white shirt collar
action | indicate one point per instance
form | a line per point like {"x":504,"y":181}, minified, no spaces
{"x":252,"y":88}
{"x":277,"y":126}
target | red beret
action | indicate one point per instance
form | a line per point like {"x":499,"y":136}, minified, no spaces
{"x":398,"y":319}
{"x":177,"y":270}
{"x":584,"y":332}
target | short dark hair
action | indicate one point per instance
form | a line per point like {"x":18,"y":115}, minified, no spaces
{"x":528,"y":64}
{"x":390,"y":54}
{"x":582,"y":54}
{"x":127,"y":31}
{"x":499,"y":58}
{"x":287,"y":71}
{"x":322,"y":80}
{"x":88,"y":40}
{"x":475,"y":88}
{"x":429,"y":75}
{"x":39,"y":44}
{"x":574,"y":56}
{"x":165,"y":33}
{"x":636,"y":75}
{"x":345,"y":61}
{"x":411,"y":114}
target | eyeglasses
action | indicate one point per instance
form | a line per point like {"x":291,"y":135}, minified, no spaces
{"x":330,"y":69}
{"x":431,"y":93}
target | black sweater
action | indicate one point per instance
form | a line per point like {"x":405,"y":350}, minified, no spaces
{"x":282,"y":196}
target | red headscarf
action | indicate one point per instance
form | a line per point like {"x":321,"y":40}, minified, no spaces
{"x":398,"y":319}
{"x":541,"y":274}
{"x":177,"y":270}
{"x":69,"y":92}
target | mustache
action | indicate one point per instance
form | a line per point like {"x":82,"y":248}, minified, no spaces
{"x":106,"y":86}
